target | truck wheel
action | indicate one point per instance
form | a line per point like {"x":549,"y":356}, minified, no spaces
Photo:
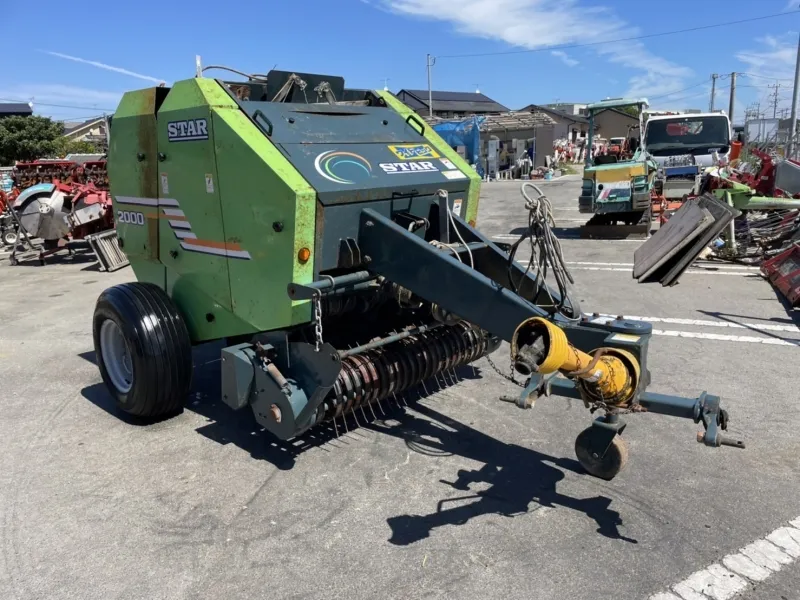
{"x":143,"y":350}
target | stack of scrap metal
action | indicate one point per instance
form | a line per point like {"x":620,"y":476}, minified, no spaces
{"x":783,"y":272}
{"x":677,"y":244}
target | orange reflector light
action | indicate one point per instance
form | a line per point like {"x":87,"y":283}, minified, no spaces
{"x":472,"y":222}
{"x":304,"y":255}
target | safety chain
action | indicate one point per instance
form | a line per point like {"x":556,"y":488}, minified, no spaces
{"x":316,"y":300}
{"x":503,"y":375}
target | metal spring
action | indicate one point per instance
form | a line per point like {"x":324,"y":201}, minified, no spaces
{"x":390,"y":370}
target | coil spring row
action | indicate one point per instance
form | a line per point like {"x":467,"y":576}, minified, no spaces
{"x":393,"y":369}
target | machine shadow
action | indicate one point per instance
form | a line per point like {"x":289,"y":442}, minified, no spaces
{"x":226,"y":426}
{"x":516,"y":477}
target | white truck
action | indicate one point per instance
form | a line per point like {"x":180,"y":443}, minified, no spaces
{"x":683,"y":144}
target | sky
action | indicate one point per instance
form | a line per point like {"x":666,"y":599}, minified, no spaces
{"x":373,"y":43}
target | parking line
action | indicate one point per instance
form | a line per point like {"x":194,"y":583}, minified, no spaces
{"x":706,"y":323}
{"x":769,"y":341}
{"x":505,"y":236}
{"x":694,"y":271}
{"x":698,"y":264}
{"x":688,"y":272}
{"x":738,"y":571}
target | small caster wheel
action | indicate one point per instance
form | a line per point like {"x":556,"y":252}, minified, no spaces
{"x":606,"y":467}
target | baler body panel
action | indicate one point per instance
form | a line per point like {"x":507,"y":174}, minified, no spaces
{"x":356,"y":154}
{"x":470,"y":212}
{"x":133,"y":172}
{"x":263,"y":192}
{"x":191,"y":230}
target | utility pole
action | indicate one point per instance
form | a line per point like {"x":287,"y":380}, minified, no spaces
{"x":732,"y":105}
{"x":714,"y":77}
{"x":386,"y":84}
{"x":774,"y":95}
{"x":430,"y":62}
{"x":793,"y":117}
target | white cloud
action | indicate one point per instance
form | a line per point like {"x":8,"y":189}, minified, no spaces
{"x":100,"y":65}
{"x":775,"y":58}
{"x":537,"y":24}
{"x":565,"y":58}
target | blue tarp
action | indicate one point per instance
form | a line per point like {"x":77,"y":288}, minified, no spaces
{"x":464,"y":133}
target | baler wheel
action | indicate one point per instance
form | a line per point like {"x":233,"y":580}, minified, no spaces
{"x":143,"y":350}
{"x":605,"y":467}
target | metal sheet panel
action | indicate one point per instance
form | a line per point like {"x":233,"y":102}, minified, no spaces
{"x":668,"y":241}
{"x":682,"y":253}
{"x":723,"y":214}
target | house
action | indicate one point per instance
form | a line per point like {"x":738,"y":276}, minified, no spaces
{"x":571,"y":108}
{"x":613,"y":122}
{"x":93,"y":130}
{"x":449,"y":105}
{"x":567,"y":126}
{"x":15,"y":109}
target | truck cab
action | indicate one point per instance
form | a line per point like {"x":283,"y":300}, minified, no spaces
{"x":683,"y":145}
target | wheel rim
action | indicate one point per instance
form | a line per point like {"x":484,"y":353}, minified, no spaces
{"x":116,"y":356}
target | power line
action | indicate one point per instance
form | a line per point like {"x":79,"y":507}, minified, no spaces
{"x":764,"y":77}
{"x":57,"y":105}
{"x":691,"y":87}
{"x":628,"y":39}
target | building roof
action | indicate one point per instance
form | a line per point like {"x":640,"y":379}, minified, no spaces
{"x":618,"y":111}
{"x":508,"y":121}
{"x":70,"y":129}
{"x":451,"y":101}
{"x":558,"y":114}
{"x":10,"y":109}
{"x":618,"y":103}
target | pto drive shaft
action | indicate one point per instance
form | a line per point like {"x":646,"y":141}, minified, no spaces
{"x":609,"y":375}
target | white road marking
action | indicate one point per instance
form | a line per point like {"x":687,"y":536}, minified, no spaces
{"x":769,"y":341}
{"x":559,"y":219}
{"x":703,"y":323}
{"x":698,"y":265}
{"x":750,"y":565}
{"x":688,"y":272}
{"x":506,"y":236}
{"x":694,"y":271}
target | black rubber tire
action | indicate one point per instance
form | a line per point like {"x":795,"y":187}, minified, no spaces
{"x":607,"y":467}
{"x":159,"y":347}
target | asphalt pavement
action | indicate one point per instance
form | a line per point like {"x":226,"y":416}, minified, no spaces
{"x":457,"y":495}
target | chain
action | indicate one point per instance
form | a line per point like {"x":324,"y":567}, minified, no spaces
{"x":317,"y":319}
{"x":503,"y":375}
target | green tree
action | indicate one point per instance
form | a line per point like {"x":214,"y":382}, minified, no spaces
{"x":64,"y":146}
{"x":631,"y":110}
{"x":28,"y":138}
